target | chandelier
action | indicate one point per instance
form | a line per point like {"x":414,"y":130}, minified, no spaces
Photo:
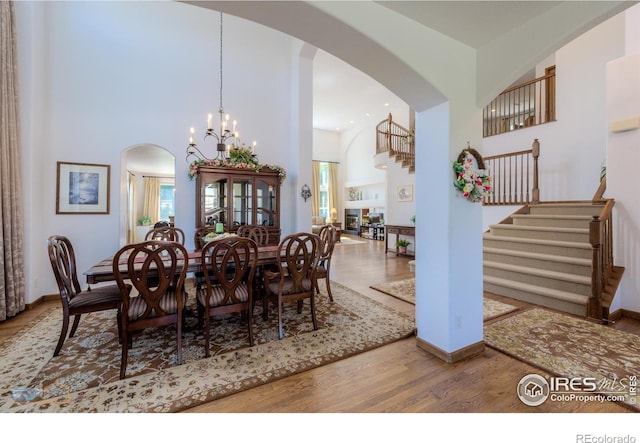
{"x":227,"y":137}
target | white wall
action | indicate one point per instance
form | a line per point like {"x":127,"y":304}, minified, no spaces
{"x":326,"y":145}
{"x":623,"y":153}
{"x":572,"y":149}
{"x":98,"y":77}
{"x":358,"y":148}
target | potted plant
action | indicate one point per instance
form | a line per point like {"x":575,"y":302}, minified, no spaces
{"x":144,"y":221}
{"x":402,"y":244}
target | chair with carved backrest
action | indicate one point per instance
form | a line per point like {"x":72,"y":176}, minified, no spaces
{"x":166,"y":233}
{"x":157,"y":304}
{"x":258,"y":233}
{"x":229,"y":266}
{"x":295,"y":280}
{"x":76,"y":302}
{"x":329,"y":236}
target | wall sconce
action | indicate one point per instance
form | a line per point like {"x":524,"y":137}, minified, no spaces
{"x":306,"y":192}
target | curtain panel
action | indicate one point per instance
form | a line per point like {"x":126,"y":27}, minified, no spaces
{"x":315,"y":192}
{"x":151,"y":202}
{"x":11,"y":199}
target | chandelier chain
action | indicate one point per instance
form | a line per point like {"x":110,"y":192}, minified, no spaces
{"x":221,"y":108}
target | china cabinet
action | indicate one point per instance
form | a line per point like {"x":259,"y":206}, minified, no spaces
{"x":236,"y":197}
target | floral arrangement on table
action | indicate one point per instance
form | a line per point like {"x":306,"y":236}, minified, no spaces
{"x":475,"y":184}
{"x":240,"y":157}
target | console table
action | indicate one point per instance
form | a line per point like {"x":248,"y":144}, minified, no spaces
{"x":398,"y":230}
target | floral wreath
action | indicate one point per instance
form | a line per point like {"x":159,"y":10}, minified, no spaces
{"x":475,"y":184}
{"x":240,"y":158}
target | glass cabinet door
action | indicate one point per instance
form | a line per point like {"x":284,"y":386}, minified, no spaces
{"x":265,"y":203}
{"x":242,"y":202}
{"x":215,"y":201}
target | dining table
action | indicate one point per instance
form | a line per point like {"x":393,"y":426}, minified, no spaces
{"x":103,"y":270}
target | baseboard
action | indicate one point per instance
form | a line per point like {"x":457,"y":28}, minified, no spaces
{"x":620,"y":313}
{"x":44,"y":298}
{"x":455,"y":356}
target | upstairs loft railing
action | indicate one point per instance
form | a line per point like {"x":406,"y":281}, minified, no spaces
{"x":527,"y":104}
{"x":397,"y":140}
{"x":515,"y":177}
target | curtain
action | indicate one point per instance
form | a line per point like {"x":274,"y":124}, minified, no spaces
{"x":333,"y":187}
{"x":131,"y":209}
{"x":151,"y":202}
{"x":315,"y":191}
{"x":11,"y":210}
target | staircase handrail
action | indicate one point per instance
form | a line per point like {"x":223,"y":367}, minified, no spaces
{"x":396,"y":139}
{"x":515,"y":177}
{"x":601,"y":239}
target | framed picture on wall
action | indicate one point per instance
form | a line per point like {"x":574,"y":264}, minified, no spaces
{"x":404,"y":193}
{"x":82,"y":188}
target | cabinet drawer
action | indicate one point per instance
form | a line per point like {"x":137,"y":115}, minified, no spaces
{"x":407,"y":231}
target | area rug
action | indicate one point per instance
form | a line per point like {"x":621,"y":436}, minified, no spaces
{"x":349,"y":241}
{"x":85,"y":376}
{"x":406,"y":290}
{"x":566,"y":346}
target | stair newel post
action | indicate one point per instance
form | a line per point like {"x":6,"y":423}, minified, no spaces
{"x":594,"y":308}
{"x":535,"y":153}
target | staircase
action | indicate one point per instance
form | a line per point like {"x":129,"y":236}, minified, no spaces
{"x":545,"y":257}
{"x":398,"y":141}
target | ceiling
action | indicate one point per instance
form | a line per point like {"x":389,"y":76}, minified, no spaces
{"x":345,"y":97}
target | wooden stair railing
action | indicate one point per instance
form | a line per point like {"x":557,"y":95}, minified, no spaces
{"x":397,"y":140}
{"x":605,"y":276}
{"x":515,"y":177}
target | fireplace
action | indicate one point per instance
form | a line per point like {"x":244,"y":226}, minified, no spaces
{"x":352,"y":221}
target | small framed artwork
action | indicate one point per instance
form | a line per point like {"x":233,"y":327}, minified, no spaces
{"x":404,"y":193}
{"x":82,"y":188}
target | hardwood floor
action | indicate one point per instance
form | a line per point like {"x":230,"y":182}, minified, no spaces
{"x":399,"y":377}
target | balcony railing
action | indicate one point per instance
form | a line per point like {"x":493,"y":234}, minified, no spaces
{"x":521,"y":106}
{"x":397,"y":140}
{"x":515,"y":177}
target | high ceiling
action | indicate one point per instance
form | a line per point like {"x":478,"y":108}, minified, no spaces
{"x":344,"y":96}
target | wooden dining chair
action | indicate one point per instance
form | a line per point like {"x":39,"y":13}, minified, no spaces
{"x":199,"y":236}
{"x":295,"y":280}
{"x":166,"y":233}
{"x":164,"y":263}
{"x":257,"y":233}
{"x":329,"y":235}
{"x":230,"y":265}
{"x":76,"y":302}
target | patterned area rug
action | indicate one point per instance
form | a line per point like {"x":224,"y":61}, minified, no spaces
{"x":85,"y":376}
{"x":406,"y":290}
{"x":570,"y":347}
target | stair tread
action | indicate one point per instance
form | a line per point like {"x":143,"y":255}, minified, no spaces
{"x":539,"y":272}
{"x":539,"y":256}
{"x":568,"y":244}
{"x":553,"y":216}
{"x":549,"y":292}
{"x":539,"y":228}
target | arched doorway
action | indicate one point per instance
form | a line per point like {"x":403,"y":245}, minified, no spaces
{"x":145,"y":169}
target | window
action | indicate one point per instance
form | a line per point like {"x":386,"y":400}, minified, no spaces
{"x":167,"y":201}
